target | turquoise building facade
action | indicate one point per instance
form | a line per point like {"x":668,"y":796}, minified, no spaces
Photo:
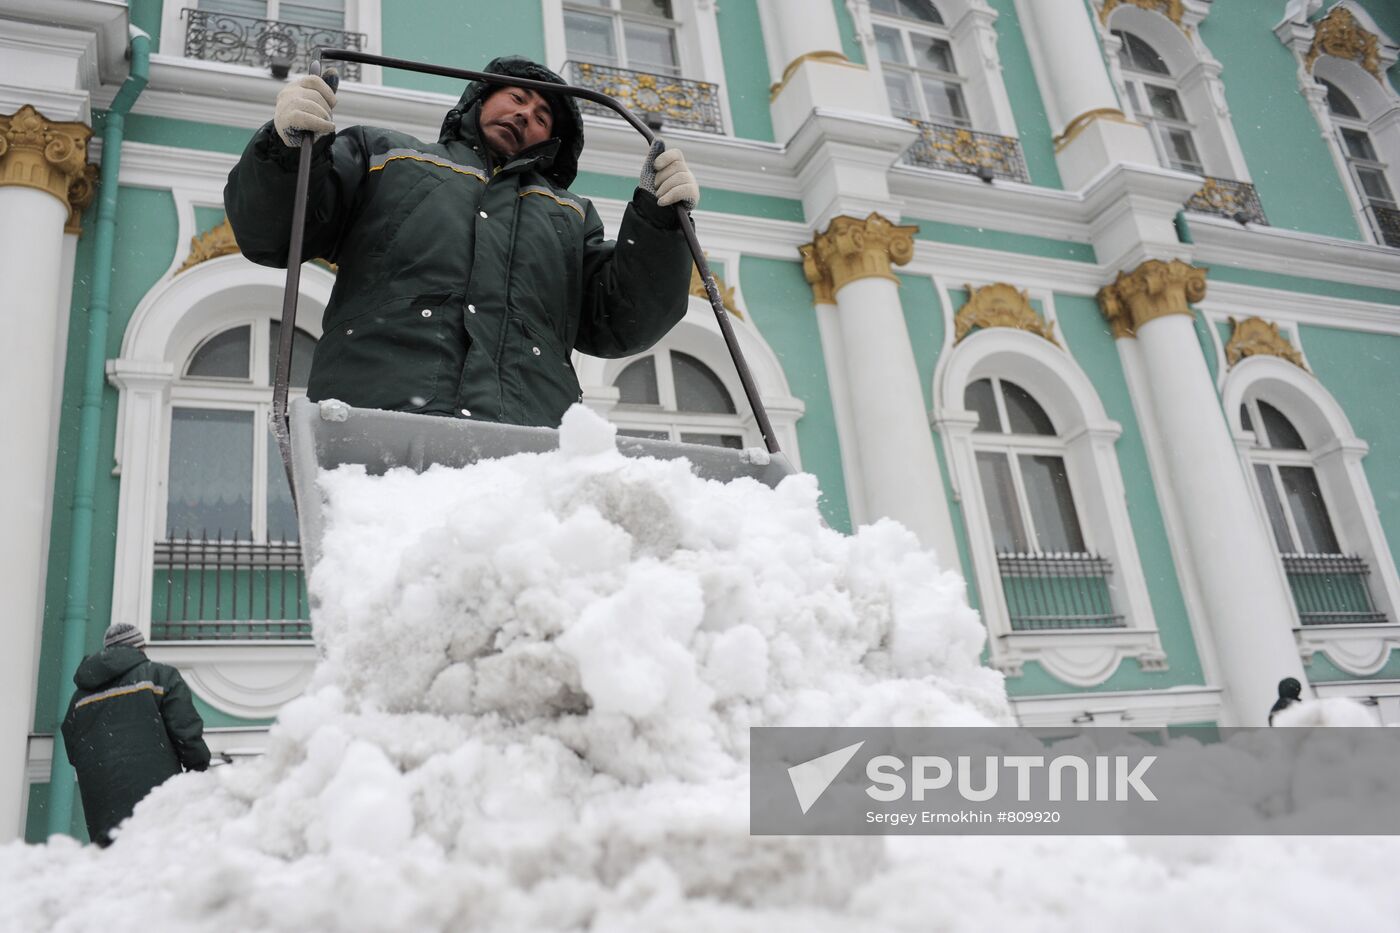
{"x":1101,"y":298}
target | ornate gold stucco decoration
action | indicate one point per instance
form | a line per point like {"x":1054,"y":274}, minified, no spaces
{"x":831,"y":58}
{"x":999,"y":305}
{"x":726,"y":292}
{"x":36,"y":152}
{"x":212,"y":243}
{"x":1339,"y":34}
{"x":852,"y":249}
{"x":1255,"y":336}
{"x":1173,"y":10}
{"x":1152,"y":290}
{"x":1076,"y":126}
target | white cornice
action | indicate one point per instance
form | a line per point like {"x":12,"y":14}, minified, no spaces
{"x":105,"y":19}
{"x":1138,"y":708}
{"x":1299,"y":307}
{"x":1287,"y":252}
{"x":1008,"y":206}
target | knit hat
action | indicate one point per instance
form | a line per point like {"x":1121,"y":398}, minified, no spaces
{"x":123,"y":635}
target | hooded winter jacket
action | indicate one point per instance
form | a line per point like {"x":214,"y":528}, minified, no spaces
{"x":463,"y":285}
{"x":130,"y":726}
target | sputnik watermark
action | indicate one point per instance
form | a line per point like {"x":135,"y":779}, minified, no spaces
{"x":1086,"y":781}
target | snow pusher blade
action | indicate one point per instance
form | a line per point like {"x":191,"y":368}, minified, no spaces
{"x":325,"y":436}
{"x":330,"y":434}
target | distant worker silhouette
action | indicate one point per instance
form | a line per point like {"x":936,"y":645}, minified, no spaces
{"x":1290,"y":691}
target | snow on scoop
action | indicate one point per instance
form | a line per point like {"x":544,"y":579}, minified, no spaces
{"x":380,"y":440}
{"x":330,"y":434}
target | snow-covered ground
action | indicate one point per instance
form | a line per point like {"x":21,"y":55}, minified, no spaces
{"x":533,"y":714}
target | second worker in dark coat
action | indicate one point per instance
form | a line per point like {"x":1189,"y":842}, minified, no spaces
{"x":468,"y":271}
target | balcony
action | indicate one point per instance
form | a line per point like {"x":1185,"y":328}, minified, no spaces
{"x":215,"y":589}
{"x":265,"y":43}
{"x":1386,"y":221}
{"x":656,"y":98}
{"x":1057,"y":591}
{"x":957,"y":149}
{"x":1236,"y":200}
{"x":1330,"y":589}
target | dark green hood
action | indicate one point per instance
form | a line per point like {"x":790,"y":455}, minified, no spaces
{"x":568,"y":122}
{"x":106,"y":666}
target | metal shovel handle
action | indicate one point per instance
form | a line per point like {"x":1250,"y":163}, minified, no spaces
{"x":289,"y":300}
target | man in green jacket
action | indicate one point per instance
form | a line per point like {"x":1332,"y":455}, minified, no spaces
{"x":131,"y":725}
{"x":468,"y":272}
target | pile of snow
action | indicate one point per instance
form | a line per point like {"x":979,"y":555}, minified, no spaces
{"x":533,"y":714}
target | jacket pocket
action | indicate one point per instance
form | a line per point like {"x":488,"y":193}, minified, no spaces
{"x":538,"y":381}
{"x":404,"y":355}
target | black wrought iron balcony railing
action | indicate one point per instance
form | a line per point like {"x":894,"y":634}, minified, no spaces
{"x":220,"y":589}
{"x":1224,"y":197}
{"x":656,"y":98}
{"x":264,"y":43}
{"x":1057,"y":591}
{"x":1331,"y":589}
{"x":958,"y":149}
{"x":1387,"y":221}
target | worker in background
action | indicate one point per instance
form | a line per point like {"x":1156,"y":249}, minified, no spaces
{"x":131,"y":725}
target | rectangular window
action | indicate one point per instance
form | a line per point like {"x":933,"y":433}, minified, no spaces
{"x":1359,"y":145}
{"x":945,"y":102}
{"x":901,"y":93}
{"x":1181,"y":150}
{"x":1309,"y":511}
{"x":211,"y":474}
{"x":590,"y":37}
{"x":1008,"y":533}
{"x":1272,"y":504}
{"x":1165,"y":103}
{"x":1051,"y":504}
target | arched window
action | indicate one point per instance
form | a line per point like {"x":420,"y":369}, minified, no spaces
{"x":1031,"y":459}
{"x":1157,"y":102}
{"x":672,"y":396}
{"x":227,"y":561}
{"x":636,"y":34}
{"x":916,"y":56}
{"x":1328,"y":581}
{"x":1369,"y":172}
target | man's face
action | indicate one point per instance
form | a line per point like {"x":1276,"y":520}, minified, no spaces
{"x":514,"y":119}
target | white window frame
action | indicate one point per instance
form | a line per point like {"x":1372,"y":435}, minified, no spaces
{"x":1139,"y":84}
{"x":1336,"y":454}
{"x":1195,"y":76}
{"x":698,"y":335}
{"x":618,"y":18}
{"x":1380,"y":119}
{"x":666,"y":416}
{"x":1079,"y":657}
{"x":360,"y":16}
{"x":252,"y":395}
{"x":970,"y":27}
{"x":1377,"y":100}
{"x":697,"y":41}
{"x":249,"y":679}
{"x":907,"y":30}
{"x":1015,"y":446}
{"x":1272,"y":458}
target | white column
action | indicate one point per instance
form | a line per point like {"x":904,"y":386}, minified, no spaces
{"x":1229,"y":550}
{"x":43,"y":176}
{"x":807,"y":65}
{"x":888,"y":422}
{"x":1091,"y":130}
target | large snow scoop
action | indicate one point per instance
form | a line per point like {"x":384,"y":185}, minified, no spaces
{"x":324,"y":436}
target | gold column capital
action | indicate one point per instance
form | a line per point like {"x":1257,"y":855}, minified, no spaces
{"x":852,"y":249}
{"x":36,"y":152}
{"x":1152,"y":290}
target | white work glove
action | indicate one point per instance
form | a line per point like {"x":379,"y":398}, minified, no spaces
{"x":304,"y":104}
{"x":666,"y":175}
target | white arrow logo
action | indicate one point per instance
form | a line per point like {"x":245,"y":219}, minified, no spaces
{"x":811,"y":778}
